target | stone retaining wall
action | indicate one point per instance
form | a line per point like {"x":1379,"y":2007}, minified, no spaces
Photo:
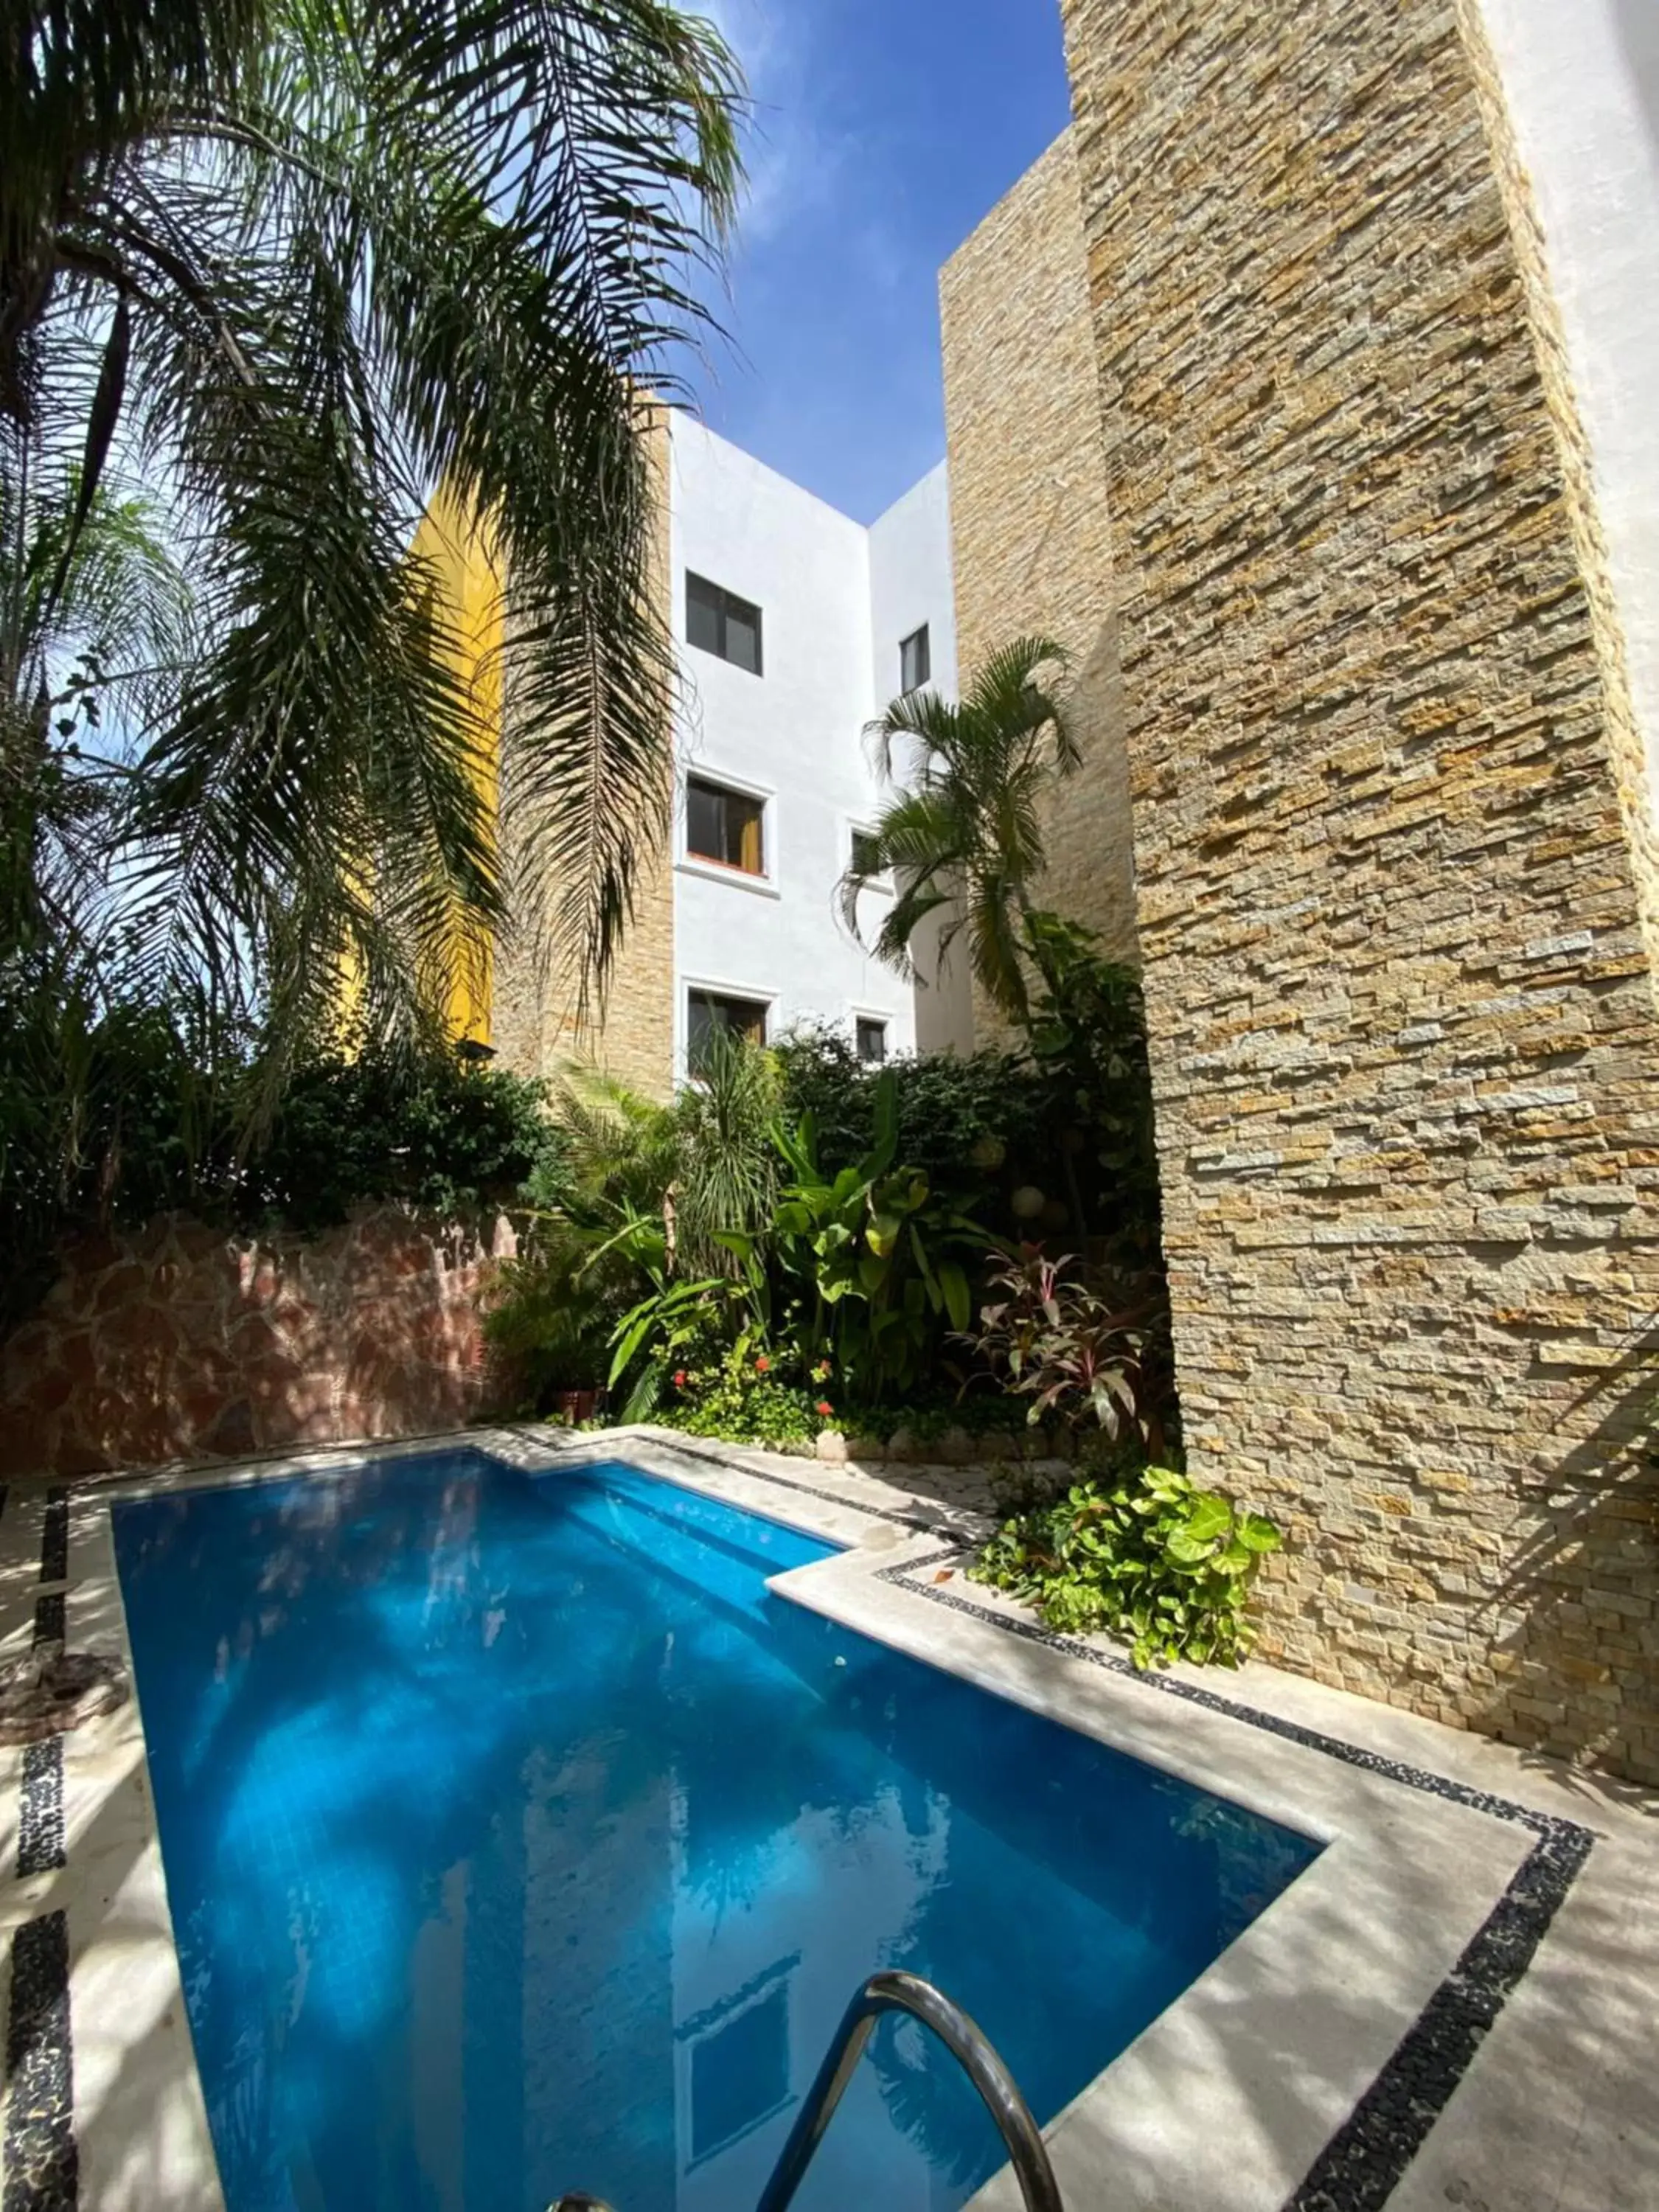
{"x":179,"y":1342}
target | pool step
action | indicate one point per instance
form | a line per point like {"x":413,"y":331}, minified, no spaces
{"x":730,"y":1555}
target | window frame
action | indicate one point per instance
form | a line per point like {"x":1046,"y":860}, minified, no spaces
{"x":921,"y":637}
{"x":725,"y":787}
{"x":742,"y":994}
{"x":883,"y":878}
{"x":724,"y":601}
{"x":883,"y":1023}
{"x":773,"y":1985}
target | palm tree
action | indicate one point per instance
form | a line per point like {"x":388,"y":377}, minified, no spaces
{"x":331,"y":254}
{"x":94,"y":620}
{"x":963,"y":837}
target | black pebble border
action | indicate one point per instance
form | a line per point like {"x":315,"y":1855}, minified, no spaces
{"x":1365,"y":2160}
{"x":54,"y":1537}
{"x":42,"y":2163}
{"x":40,"y":1817}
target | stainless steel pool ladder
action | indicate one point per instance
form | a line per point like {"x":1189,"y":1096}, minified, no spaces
{"x":906,"y":1993}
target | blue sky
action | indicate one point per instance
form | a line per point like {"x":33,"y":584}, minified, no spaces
{"x":885,"y":130}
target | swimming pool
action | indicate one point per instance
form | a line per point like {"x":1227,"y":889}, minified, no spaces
{"x":518,"y":1841}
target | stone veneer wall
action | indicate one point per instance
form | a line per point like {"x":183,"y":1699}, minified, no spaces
{"x":180,"y":1342}
{"x":1391,"y":865}
{"x":1029,"y":523}
{"x":534,"y":1026}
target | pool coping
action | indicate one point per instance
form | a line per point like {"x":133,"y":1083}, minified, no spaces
{"x":1265,"y":2086}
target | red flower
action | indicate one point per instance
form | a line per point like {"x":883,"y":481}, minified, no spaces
{"x":825,"y":1407}
{"x":763,"y":1364}
{"x":679,"y":1378}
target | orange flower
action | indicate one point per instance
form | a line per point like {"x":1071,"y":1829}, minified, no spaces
{"x":763,"y":1364}
{"x":825,"y":1407}
{"x":679,"y":1378}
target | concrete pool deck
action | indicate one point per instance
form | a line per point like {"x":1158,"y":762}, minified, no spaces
{"x":1455,"y":2007}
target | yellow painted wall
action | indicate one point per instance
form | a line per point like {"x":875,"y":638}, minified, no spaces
{"x":458,"y":552}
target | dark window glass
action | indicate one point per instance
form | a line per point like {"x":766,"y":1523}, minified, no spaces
{"x":740,"y":2072}
{"x":712,"y":1010}
{"x":703,"y":614}
{"x":727,"y":826}
{"x":871,"y":1041}
{"x":867,"y":853}
{"x":916,"y":660}
{"x":717,"y":621}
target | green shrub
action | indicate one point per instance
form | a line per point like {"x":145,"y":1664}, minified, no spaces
{"x":863,"y":1267}
{"x":1088,"y":1038}
{"x":744,"y":1398}
{"x":444,"y":1135}
{"x":113,"y":1112}
{"x":1146,"y":1556}
{"x":976,"y":1125}
{"x":556,"y":1308}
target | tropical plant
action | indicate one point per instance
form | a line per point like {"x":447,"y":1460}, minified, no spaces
{"x":747,"y":1397}
{"x":976,"y":1124}
{"x":963,"y":838}
{"x":1146,"y":1556}
{"x":726,"y":1174}
{"x":869,"y":1260}
{"x":625,"y":1268}
{"x":327,"y":257}
{"x":1078,"y":1358}
{"x":683,"y":1324}
{"x":1088,"y":1035}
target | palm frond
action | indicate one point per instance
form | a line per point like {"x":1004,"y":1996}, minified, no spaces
{"x":965,"y":838}
{"x":341,"y":254}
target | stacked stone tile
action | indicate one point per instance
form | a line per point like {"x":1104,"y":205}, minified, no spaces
{"x":1028,"y":515}
{"x":1391,"y":851}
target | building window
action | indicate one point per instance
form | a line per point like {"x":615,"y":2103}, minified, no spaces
{"x":739,"y":2068}
{"x":916,"y":660}
{"x":708,"y":1011}
{"x":725,"y":826}
{"x":871,"y":1040}
{"x":867,"y":853}
{"x":717,"y":621}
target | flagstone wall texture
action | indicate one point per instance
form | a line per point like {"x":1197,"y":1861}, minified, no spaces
{"x":180,"y":1342}
{"x":1392,"y":861}
{"x":1028,"y":520}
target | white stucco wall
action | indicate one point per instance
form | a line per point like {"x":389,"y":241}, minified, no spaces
{"x":793,"y":735}
{"x":911,"y":583}
{"x":1581,"y":80}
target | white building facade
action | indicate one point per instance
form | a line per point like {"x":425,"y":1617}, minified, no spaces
{"x":795,"y":626}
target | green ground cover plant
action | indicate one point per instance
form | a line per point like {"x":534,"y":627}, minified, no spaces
{"x":1142,"y":1554}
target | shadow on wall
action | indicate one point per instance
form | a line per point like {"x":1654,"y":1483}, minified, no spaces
{"x":1579,"y":1654}
{"x":181,"y":1342}
{"x":1638,"y":23}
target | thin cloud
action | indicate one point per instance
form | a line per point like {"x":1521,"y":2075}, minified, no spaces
{"x":794,"y":164}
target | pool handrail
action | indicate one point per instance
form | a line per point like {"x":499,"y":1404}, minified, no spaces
{"x":968,"y":2045}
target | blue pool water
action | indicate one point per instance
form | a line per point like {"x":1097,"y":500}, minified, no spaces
{"x":518,"y":1841}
